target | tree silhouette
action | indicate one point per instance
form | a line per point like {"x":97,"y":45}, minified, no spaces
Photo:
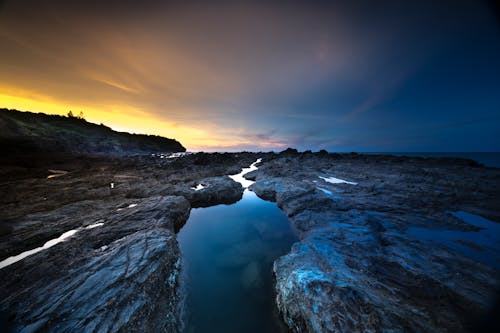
{"x":80,"y":115}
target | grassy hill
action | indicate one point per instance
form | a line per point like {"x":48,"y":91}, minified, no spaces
{"x":28,"y":132}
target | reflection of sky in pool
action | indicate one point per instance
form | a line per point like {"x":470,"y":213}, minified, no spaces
{"x":228,"y":253}
{"x":482,"y":245}
{"x":240,"y":176}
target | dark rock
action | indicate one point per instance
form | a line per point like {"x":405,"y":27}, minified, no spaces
{"x":356,"y":267}
{"x":322,"y":152}
{"x":216,"y":190}
{"x":38,"y":133}
{"x":289,"y":151}
{"x":121,"y":276}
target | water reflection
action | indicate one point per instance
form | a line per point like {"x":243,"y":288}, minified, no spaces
{"x":482,"y":245}
{"x":228,"y":254}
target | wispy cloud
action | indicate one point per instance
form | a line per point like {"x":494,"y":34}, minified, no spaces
{"x":229,"y":75}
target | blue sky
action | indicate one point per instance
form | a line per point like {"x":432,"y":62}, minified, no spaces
{"x":255,"y":75}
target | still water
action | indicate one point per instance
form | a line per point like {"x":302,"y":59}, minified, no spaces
{"x":482,"y":245}
{"x":491,"y":159}
{"x":228,"y":253}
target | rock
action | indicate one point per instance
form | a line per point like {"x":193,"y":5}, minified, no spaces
{"x":356,"y":267}
{"x":38,"y":133}
{"x":121,"y":275}
{"x":289,"y":151}
{"x":216,"y":190}
{"x":119,"y":269}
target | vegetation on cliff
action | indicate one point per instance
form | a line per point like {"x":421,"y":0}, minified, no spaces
{"x":28,"y":132}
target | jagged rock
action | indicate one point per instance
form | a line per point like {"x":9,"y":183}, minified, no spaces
{"x":215,"y":190}
{"x":357,"y":267}
{"x":121,"y":273}
{"x":118,"y":276}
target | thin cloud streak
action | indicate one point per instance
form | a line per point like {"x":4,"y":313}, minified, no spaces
{"x":237,"y":74}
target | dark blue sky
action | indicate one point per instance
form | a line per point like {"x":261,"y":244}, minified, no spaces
{"x":234,"y":75}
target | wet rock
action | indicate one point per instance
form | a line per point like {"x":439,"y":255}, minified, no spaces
{"x":119,"y":270}
{"x":121,"y":275}
{"x":215,"y":190}
{"x":356,"y":267}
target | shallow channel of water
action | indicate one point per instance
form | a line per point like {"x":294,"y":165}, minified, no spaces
{"x":228,"y":253}
{"x":482,"y":245}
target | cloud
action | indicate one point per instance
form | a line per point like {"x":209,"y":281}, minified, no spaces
{"x":232,"y":74}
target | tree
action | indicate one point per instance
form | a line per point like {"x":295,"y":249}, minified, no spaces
{"x":80,"y":115}
{"x":70,"y":114}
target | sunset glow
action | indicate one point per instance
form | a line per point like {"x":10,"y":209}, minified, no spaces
{"x":259,"y":76}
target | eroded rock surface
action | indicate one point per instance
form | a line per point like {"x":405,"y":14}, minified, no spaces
{"x":357,"y":266}
{"x":211,"y":191}
{"x":119,"y":268}
{"x":121,"y":275}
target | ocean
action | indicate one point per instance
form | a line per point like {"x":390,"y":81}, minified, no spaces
{"x":487,"y":159}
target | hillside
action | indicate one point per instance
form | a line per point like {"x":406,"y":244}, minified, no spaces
{"x":28,"y":132}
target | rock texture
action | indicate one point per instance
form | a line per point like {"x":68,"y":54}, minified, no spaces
{"x":215,"y":190}
{"x":357,"y":267}
{"x":121,"y":275}
{"x":119,"y":271}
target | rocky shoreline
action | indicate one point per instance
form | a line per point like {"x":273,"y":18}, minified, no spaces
{"x":356,"y":267}
{"x":120,"y":269}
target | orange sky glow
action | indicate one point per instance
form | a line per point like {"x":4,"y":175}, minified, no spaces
{"x":261,"y":75}
{"x":120,"y":74}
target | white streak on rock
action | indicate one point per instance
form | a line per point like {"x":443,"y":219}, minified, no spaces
{"x":333,"y":180}
{"x":95,"y":225}
{"x":324,"y":190}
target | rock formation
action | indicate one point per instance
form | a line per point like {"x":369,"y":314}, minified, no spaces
{"x":360,"y":265}
{"x":357,"y":266}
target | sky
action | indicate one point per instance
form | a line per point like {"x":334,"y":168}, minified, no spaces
{"x":366,"y":76}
